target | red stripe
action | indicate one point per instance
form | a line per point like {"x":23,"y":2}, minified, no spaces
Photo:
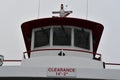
{"x":64,"y":49}
{"x":60,"y":49}
{"x":12,"y":60}
{"x":112,"y":63}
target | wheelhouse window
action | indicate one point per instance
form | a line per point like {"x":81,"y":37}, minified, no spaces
{"x":82,"y":38}
{"x":42,"y":37}
{"x":61,"y":35}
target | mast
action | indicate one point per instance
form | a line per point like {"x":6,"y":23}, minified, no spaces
{"x":62,"y":12}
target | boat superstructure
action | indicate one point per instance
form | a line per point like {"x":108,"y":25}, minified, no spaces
{"x":69,"y":41}
{"x":61,"y":48}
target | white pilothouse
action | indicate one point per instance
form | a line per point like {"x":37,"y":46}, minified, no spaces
{"x":60,"y":48}
{"x":61,"y":43}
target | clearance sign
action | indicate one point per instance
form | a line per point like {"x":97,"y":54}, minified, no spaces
{"x":61,"y":72}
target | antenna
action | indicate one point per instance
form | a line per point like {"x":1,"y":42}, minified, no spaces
{"x":86,"y":9}
{"x":62,"y":13}
{"x":38,"y":8}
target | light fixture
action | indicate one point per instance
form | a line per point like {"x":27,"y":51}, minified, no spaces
{"x":1,"y":60}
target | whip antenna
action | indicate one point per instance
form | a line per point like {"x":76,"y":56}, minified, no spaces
{"x":86,"y":9}
{"x":38,"y":8}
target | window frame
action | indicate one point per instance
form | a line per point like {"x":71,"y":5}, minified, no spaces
{"x":33,"y":37}
{"x":90,"y":38}
{"x":59,"y":26}
{"x":51,"y":38}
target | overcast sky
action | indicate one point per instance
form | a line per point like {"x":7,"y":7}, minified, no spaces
{"x":14,"y":12}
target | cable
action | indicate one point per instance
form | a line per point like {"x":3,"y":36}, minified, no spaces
{"x":38,"y":8}
{"x":87,"y":9}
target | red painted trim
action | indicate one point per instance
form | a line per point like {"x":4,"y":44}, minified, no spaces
{"x":112,"y":63}
{"x":12,"y":60}
{"x":60,"y":49}
{"x":64,"y":49}
{"x":27,"y":28}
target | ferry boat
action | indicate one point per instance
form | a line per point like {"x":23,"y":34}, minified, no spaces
{"x":60,"y":48}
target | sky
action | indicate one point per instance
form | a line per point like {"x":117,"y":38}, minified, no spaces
{"x":14,"y":12}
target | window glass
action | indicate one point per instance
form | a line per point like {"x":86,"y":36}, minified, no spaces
{"x":81,"y":38}
{"x":42,"y":37}
{"x":61,"y":35}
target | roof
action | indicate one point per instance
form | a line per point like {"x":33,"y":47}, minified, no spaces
{"x":96,"y":28}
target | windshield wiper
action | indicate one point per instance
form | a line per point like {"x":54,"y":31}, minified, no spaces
{"x":46,"y":33}
{"x":66,"y":35}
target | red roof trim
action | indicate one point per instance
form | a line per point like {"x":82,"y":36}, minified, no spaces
{"x":96,"y":28}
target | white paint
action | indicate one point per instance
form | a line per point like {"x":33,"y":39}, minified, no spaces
{"x":61,"y":72}
{"x":56,"y":52}
{"x":62,"y":61}
{"x":108,"y":74}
